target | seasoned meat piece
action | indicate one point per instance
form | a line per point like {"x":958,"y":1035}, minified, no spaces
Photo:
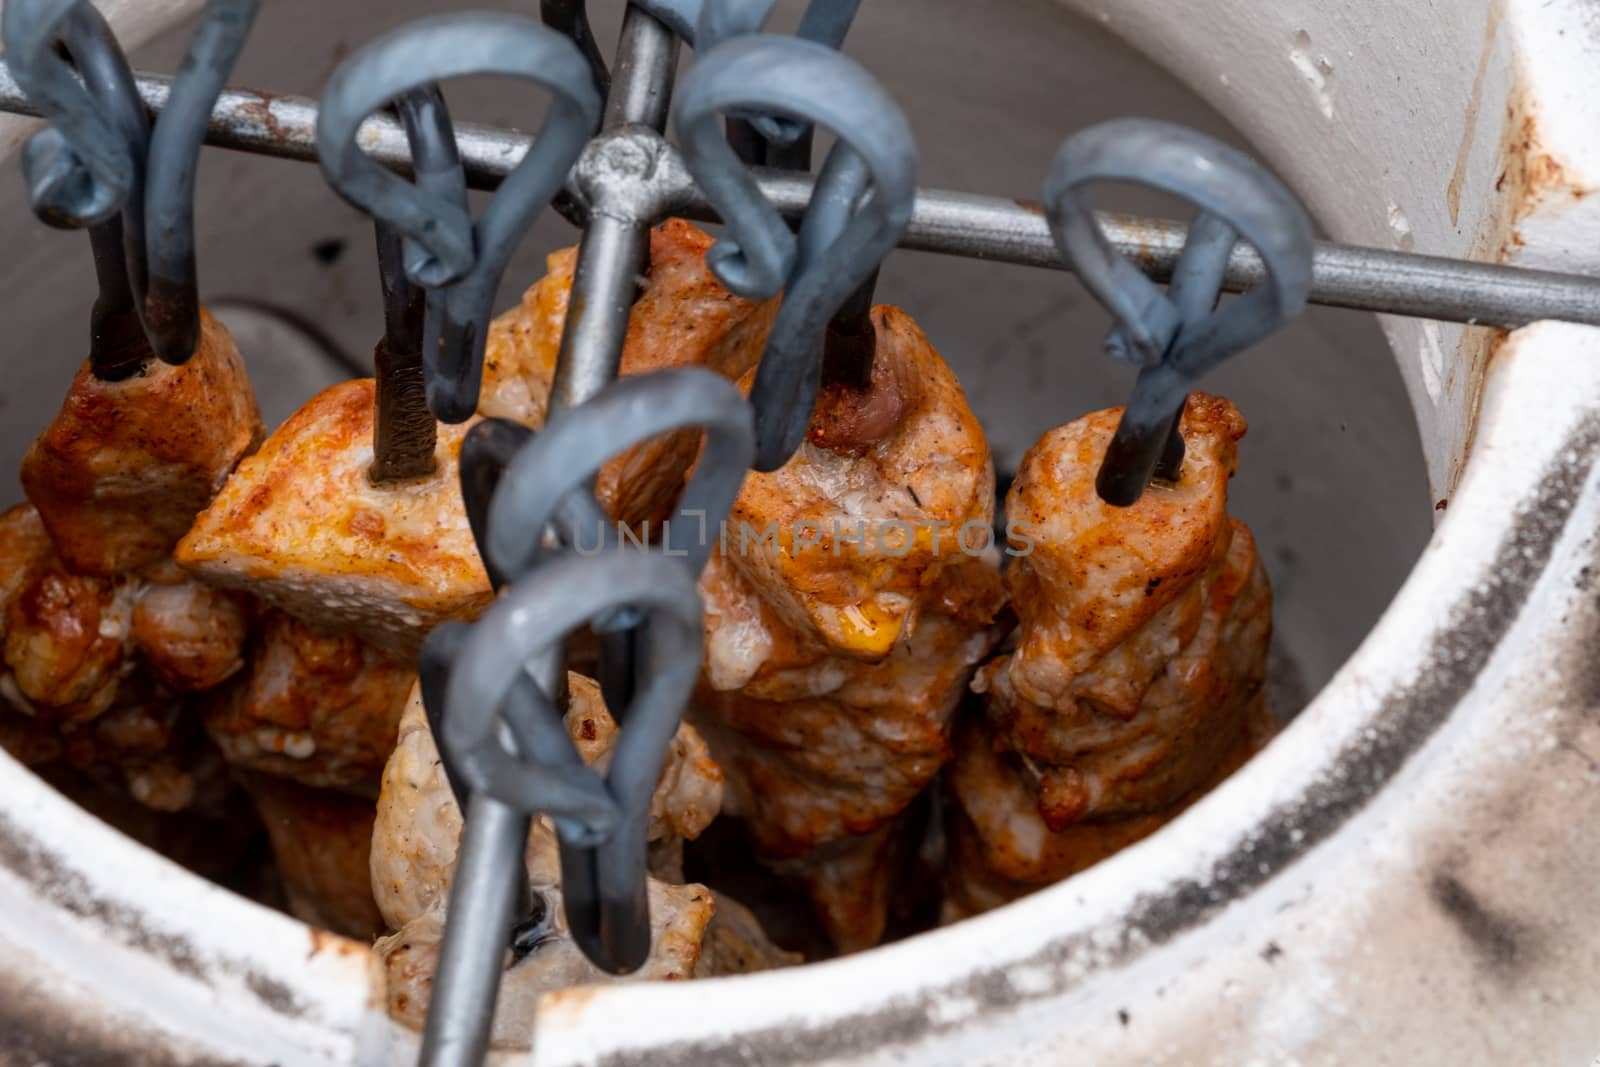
{"x":1136,"y":681}
{"x":301,"y":526}
{"x":76,"y":699}
{"x":870,"y":513}
{"x":855,"y":593}
{"x":190,"y":635}
{"x":322,"y":842}
{"x":121,"y":472}
{"x":322,"y":710}
{"x":67,"y":640}
{"x":1001,"y":845}
{"x":735,"y":943}
{"x":24,"y":545}
{"x":145,"y":746}
{"x":413,"y":856}
{"x":683,"y":317}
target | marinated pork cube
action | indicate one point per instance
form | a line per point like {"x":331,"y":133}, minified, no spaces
{"x":190,"y":635}
{"x":320,"y":709}
{"x":683,"y":317}
{"x":68,"y":640}
{"x":84,"y":684}
{"x":301,"y":525}
{"x":125,"y":466}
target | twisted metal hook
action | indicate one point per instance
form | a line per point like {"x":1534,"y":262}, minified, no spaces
{"x":861,"y":206}
{"x":551,"y":482}
{"x":571,"y":19}
{"x":170,"y":293}
{"x":517,"y":486}
{"x":563,"y":458}
{"x":464,"y":258}
{"x":768,"y":139}
{"x":603,"y":876}
{"x":1176,"y":336}
{"x":88,"y":168}
{"x":486,"y":452}
{"x":775,"y":141}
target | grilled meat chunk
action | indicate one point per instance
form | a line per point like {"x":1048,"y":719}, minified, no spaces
{"x":320,"y":709}
{"x":1136,"y":680}
{"x":125,"y":466}
{"x":302,"y":526}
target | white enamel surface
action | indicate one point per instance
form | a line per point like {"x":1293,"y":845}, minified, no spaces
{"x":1368,"y":108}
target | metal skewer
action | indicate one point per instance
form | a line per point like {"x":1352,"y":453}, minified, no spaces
{"x":965,"y":224}
{"x":483,"y":901}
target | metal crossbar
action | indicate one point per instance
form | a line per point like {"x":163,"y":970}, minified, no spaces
{"x":960,"y":224}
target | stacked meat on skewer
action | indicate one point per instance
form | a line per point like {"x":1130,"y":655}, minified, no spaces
{"x":182,"y":609}
{"x":108,"y":646}
{"x":1136,"y":678}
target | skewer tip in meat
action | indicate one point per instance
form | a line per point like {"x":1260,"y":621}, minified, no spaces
{"x":122,"y":470}
{"x":838,"y":647}
{"x":413,"y":857}
{"x":1136,"y":680}
{"x":320,"y":709}
{"x":302,"y":526}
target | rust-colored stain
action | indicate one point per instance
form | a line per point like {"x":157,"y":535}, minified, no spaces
{"x":1543,"y":171}
{"x":568,"y":1002}
{"x":1527,"y":176}
{"x":260,"y":109}
{"x":1152,"y":241}
{"x":1497,"y":13}
{"x":1476,"y":352}
{"x":1030,"y":205}
{"x":1530,"y":176}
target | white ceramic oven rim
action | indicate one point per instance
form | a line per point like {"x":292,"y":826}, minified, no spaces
{"x":1401,"y":876}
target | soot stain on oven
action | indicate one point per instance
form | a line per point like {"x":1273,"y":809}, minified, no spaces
{"x":1407,"y":718}
{"x":1503,"y":942}
{"x":36,"y":864}
{"x":39,"y":1030}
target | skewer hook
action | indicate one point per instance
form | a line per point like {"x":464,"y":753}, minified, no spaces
{"x":1176,"y":336}
{"x":861,"y":207}
{"x":453,"y":253}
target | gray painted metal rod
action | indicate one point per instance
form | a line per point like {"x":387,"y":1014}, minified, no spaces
{"x":965,"y":224}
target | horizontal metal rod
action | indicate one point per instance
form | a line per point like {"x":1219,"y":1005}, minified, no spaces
{"x":965,"y":224}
